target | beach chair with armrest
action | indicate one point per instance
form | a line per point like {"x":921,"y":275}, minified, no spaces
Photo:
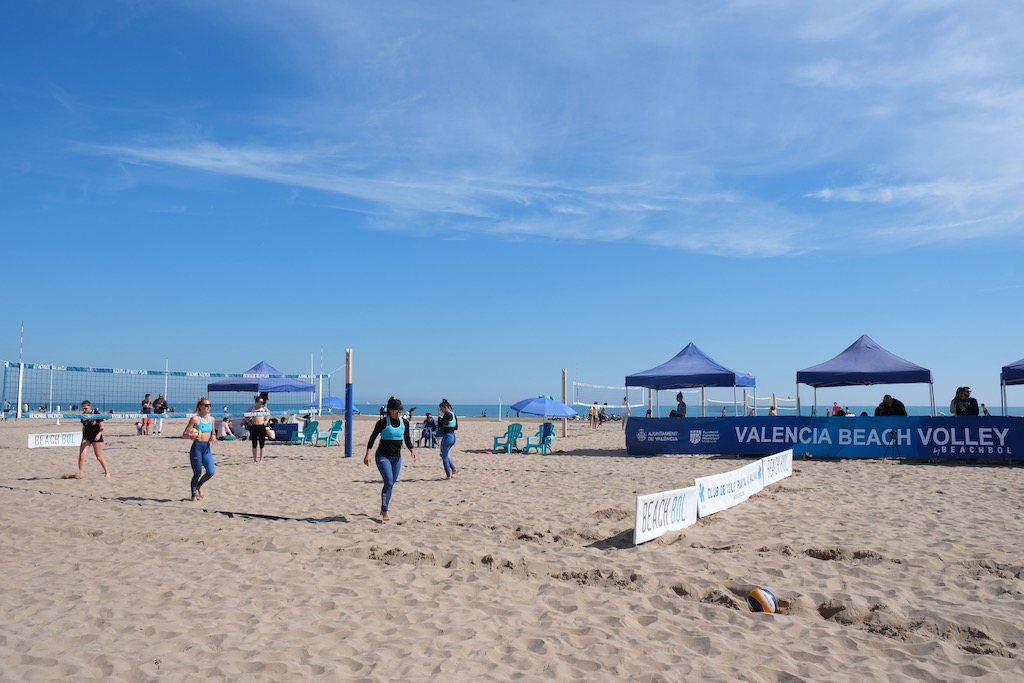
{"x":427,"y":437}
{"x":542,"y":440}
{"x":509,"y":441}
{"x":308,"y":434}
{"x":330,"y":436}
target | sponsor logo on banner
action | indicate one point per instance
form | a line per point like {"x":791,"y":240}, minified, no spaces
{"x":658,"y":513}
{"x":721,"y":491}
{"x":994,"y":438}
{"x":54,"y":440}
{"x":777,"y":467}
{"x":652,"y":436}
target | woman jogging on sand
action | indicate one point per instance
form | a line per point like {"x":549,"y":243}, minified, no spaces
{"x":393,"y":430}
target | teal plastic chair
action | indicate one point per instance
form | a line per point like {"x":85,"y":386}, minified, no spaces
{"x":309,"y":433}
{"x":330,"y":436}
{"x":509,"y":441}
{"x":542,"y":440}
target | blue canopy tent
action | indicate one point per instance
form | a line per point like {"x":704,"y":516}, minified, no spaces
{"x":259,"y":378}
{"x":863,"y":363}
{"x":1011,"y":374}
{"x":688,"y":369}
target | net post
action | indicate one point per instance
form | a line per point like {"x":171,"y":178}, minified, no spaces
{"x":565,"y":421}
{"x":348,"y":403}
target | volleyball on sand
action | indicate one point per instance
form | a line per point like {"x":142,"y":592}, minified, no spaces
{"x":762,"y":600}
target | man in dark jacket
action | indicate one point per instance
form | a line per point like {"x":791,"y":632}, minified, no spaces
{"x":890,"y":407}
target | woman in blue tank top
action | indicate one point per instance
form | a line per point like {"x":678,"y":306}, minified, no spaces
{"x":446,"y":425}
{"x":393,"y":431}
{"x":200,"y":430}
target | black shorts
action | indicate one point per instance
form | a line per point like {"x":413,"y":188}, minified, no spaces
{"x":92,"y":434}
{"x":258,"y":434}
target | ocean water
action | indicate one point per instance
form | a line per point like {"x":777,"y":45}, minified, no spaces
{"x":281,"y":404}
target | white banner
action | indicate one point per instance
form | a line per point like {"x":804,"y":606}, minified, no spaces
{"x":777,"y":467}
{"x":658,"y":513}
{"x":51,"y":440}
{"x":721,"y":491}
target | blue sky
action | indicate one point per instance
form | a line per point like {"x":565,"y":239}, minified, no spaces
{"x":474,"y":195}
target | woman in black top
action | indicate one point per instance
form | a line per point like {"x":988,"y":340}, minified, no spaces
{"x":393,"y":431}
{"x":92,"y":434}
{"x":446,"y":425}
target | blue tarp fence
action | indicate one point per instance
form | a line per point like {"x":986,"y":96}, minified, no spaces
{"x":931,"y":438}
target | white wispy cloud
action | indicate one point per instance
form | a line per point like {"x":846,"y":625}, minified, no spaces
{"x":664,"y":124}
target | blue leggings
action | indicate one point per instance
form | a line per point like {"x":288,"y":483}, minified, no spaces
{"x":389,"y":466}
{"x":201,"y":458}
{"x":447,"y":441}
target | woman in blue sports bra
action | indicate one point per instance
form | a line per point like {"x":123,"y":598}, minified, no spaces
{"x":200,"y":430}
{"x":393,"y":430}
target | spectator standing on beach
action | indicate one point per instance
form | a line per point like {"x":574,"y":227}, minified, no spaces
{"x":984,"y":411}
{"x":890,"y":407}
{"x":159,"y":408}
{"x":393,"y":431}
{"x":447,"y":423}
{"x":200,"y":430}
{"x":626,"y":412}
{"x":592,"y":416}
{"x":147,"y":409}
{"x":602,"y":415}
{"x":258,"y":415}
{"x":92,"y":435}
{"x":772,"y":412}
{"x":964,"y":404}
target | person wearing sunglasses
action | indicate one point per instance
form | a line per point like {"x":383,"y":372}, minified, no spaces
{"x":200,"y":430}
{"x":393,"y":430}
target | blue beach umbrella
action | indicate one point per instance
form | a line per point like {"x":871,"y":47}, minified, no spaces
{"x":544,"y":406}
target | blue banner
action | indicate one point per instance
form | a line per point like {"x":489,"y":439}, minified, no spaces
{"x":932,"y":438}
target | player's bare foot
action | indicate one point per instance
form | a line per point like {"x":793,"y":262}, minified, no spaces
{"x":385,"y":517}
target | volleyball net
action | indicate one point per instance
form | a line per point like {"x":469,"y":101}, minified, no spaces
{"x":584,"y":394}
{"x":47,"y":390}
{"x":761,"y":404}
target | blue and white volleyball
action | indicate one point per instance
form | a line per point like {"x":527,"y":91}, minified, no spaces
{"x":762,"y":600}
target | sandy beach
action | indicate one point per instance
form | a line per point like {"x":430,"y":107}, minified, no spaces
{"x":521,"y":568}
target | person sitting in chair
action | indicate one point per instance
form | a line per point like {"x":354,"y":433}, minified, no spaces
{"x":428,"y":433}
{"x":680,"y":410}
